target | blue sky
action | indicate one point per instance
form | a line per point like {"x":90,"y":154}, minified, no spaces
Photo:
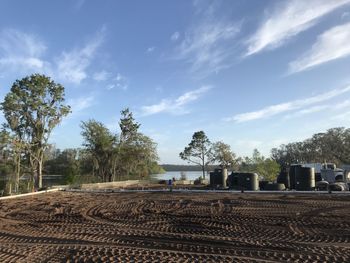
{"x":254,"y":74}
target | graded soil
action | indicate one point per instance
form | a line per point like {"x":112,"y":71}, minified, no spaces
{"x":175,"y":227}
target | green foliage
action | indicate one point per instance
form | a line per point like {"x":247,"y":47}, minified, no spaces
{"x":130,"y":155}
{"x":100,"y":144}
{"x":62,"y":161}
{"x":66,"y":163}
{"x":32,"y":108}
{"x":265,"y":167}
{"x":6,"y":176}
{"x":70,"y":175}
{"x":5,"y":169}
{"x":222,"y":154}
{"x":2,"y":186}
{"x":268,"y":169}
{"x":155,"y":168}
{"x":198,"y":151}
{"x":136,"y":156}
{"x":128,"y":126}
{"x":331,"y":146}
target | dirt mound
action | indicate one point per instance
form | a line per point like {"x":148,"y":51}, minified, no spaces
{"x":175,"y":227}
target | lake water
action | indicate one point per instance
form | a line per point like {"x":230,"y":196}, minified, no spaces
{"x":177,"y":174}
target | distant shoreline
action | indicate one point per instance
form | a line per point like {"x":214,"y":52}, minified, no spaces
{"x":185,"y":168}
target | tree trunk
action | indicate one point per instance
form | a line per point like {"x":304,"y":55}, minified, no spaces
{"x":203,"y":168}
{"x":17,"y":172}
{"x":32,"y":181}
{"x":9,"y":186}
{"x":40,"y":173}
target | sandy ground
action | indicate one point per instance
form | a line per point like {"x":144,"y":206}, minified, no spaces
{"x":175,"y":227}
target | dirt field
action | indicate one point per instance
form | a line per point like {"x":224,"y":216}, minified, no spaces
{"x":175,"y":227}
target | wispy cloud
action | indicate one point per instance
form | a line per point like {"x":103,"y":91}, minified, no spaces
{"x":25,"y":53}
{"x":307,"y":111}
{"x":175,"y":36}
{"x":318,"y":108}
{"x":119,"y":82}
{"x":332,"y":44}
{"x":343,"y":117}
{"x":81,"y":103}
{"x":288,"y":20}
{"x":150,"y":49}
{"x":72,"y":65}
{"x":21,"y":51}
{"x":101,"y":75}
{"x":78,"y":4}
{"x":175,"y":106}
{"x":272,"y":110}
{"x":345,"y":15}
{"x":78,"y":106}
{"x":110,"y":86}
{"x":207,"y":46}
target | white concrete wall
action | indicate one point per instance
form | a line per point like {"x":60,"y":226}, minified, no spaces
{"x":28,"y":194}
{"x":110,"y":184}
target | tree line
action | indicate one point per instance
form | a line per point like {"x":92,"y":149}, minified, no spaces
{"x":202,"y":152}
{"x":331,"y":146}
{"x":34,"y":106}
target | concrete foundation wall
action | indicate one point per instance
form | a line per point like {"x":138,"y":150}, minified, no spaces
{"x":110,"y":184}
{"x":28,"y":194}
{"x":183,"y":182}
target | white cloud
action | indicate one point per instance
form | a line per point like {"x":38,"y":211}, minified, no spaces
{"x":80,"y":104}
{"x":24,"y":53}
{"x":288,"y":20}
{"x":332,"y":44}
{"x":310,"y":110}
{"x":175,"y":106}
{"x":78,"y":107}
{"x":101,"y":75}
{"x":163,"y":106}
{"x":72,"y":65}
{"x":345,"y":15}
{"x":208,"y":46}
{"x":343,"y":117}
{"x":329,"y":107}
{"x":150,"y":49}
{"x":110,"y":86}
{"x":341,"y":105}
{"x":287,"y":106}
{"x":21,"y":51}
{"x":175,"y":36}
{"x":119,"y":82}
{"x":13,"y":41}
{"x":122,"y":86}
{"x":119,"y":77}
{"x":191,"y":96}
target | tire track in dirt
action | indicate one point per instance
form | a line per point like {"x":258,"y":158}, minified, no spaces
{"x":174,"y":227}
